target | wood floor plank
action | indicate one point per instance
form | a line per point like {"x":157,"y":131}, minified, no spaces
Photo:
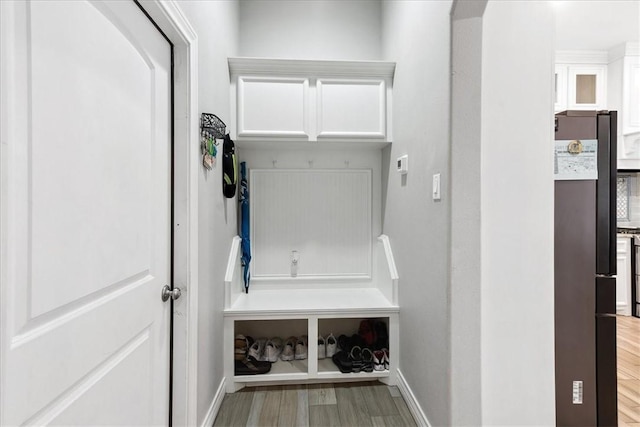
{"x":256,"y":408}
{"x":379,"y":401}
{"x":352,"y":407}
{"x":623,"y":399}
{"x":235,"y":409}
{"x":404,"y":411}
{"x":270,"y":408}
{"x":321,"y":394}
{"x":628,"y":350}
{"x":388,"y":421}
{"x":394,"y":391}
{"x":302,"y":414}
{"x":288,"y":413}
{"x":324,"y":416}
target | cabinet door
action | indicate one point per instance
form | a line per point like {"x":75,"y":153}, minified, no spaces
{"x":351,"y":108}
{"x":560,"y":86}
{"x":587,"y":87}
{"x":273,"y":107}
{"x":623,"y":278}
{"x":631,"y":95}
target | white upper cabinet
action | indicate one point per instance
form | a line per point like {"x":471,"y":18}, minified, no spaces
{"x":581,"y":81}
{"x":587,"y":87}
{"x":351,"y":108}
{"x":302,"y":100}
{"x":270,"y":106}
{"x":631,"y":95}
{"x":624,"y":97}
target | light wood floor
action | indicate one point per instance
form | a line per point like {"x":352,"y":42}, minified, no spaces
{"x":346,"y":404}
{"x":628,"y":371}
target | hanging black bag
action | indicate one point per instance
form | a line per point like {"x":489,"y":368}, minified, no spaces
{"x":229,"y":168}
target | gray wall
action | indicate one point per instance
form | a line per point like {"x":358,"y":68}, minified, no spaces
{"x":216,"y":25}
{"x":518,"y":374}
{"x":319,"y":29}
{"x":416,"y":36}
{"x":466,"y":402}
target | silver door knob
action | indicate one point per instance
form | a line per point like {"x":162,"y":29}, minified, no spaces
{"x":168,"y":293}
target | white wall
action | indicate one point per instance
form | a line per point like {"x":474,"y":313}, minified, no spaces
{"x":517,"y":190}
{"x":216,"y":26}
{"x":416,"y":36}
{"x":319,"y":29}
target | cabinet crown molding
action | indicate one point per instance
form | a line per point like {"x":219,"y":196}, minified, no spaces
{"x":311,"y":68}
{"x":582,"y":57}
{"x":622,"y":50}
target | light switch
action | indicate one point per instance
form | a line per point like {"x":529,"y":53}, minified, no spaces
{"x":436,"y":186}
{"x":402,"y":164}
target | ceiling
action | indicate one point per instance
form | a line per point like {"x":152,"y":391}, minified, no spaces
{"x":596,"y":24}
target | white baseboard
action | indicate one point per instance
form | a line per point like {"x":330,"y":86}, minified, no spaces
{"x":623,"y":309}
{"x":215,"y":404}
{"x":412,"y":403}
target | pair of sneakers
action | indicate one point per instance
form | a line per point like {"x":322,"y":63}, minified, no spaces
{"x":267,"y":350}
{"x":327,"y":347}
{"x":294,"y":348}
{"x":381,"y":359}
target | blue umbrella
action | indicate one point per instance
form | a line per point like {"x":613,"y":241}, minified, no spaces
{"x":244,"y":224}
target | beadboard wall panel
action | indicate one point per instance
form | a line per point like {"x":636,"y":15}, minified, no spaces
{"x":322,"y":214}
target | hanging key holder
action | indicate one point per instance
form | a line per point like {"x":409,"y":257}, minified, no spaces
{"x":211,"y":128}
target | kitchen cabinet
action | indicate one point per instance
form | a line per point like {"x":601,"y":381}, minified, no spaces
{"x":624,"y":96}
{"x":631,"y":95}
{"x":624,"y":257}
{"x":580,"y":87}
{"x":275,"y":100}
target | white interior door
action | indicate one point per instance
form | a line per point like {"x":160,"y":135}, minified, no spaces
{"x":85,"y":214}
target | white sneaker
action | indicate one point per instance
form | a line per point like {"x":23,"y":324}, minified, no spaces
{"x":332,"y":345}
{"x":301,"y":348}
{"x":288,"y":351}
{"x":322,"y":350}
{"x":272,"y":349}
{"x":257,"y":349}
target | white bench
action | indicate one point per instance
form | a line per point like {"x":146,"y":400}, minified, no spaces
{"x":311,"y":310}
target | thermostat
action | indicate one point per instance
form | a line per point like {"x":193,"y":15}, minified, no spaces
{"x":403,"y":164}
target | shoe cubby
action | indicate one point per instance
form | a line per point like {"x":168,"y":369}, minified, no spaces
{"x":346,"y":328}
{"x":312,"y":369}
{"x":266,"y":330}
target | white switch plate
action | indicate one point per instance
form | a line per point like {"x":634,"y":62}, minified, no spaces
{"x":436,"y":186}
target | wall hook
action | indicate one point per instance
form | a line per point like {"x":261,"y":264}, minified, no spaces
{"x":294,"y":263}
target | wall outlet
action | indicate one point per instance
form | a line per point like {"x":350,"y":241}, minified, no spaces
{"x":578,"y":389}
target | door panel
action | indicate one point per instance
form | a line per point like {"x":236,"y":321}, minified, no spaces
{"x":85,"y":214}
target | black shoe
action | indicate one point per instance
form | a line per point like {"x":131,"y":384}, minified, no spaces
{"x":251,"y":367}
{"x":342,"y":361}
{"x":382,"y":336}
{"x":356,"y":359}
{"x":367,"y":360}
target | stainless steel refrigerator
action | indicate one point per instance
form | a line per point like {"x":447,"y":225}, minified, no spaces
{"x":585,"y":268}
